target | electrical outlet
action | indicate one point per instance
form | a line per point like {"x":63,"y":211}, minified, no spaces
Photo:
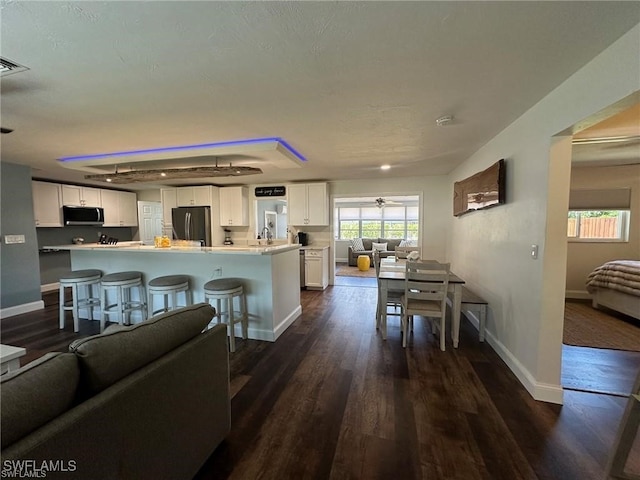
{"x":9,"y":239}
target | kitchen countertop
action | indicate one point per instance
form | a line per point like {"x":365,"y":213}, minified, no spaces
{"x":138,"y":247}
{"x":313,"y":246}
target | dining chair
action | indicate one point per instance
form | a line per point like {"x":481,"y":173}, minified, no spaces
{"x":425,"y":294}
{"x":394,"y":296}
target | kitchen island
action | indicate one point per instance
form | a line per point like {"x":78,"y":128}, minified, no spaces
{"x":270,"y":274}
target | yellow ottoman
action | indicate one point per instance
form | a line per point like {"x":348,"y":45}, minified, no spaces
{"x":364,"y":263}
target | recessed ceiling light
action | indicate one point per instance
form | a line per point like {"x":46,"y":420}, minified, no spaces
{"x":163,"y":174}
{"x":108,"y":180}
{"x":385,"y":167}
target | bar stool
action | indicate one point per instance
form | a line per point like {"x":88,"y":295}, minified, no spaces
{"x":168,"y":286}
{"x":74,"y":279}
{"x":121,"y":283}
{"x":227,"y":289}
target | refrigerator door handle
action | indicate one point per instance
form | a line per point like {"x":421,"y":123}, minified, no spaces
{"x":187,"y":226}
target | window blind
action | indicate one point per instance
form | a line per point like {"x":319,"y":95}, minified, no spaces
{"x":610,"y":199}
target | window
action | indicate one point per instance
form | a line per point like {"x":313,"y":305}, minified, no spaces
{"x":598,"y":225}
{"x":373,"y":222}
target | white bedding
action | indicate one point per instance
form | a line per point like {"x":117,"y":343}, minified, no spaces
{"x":620,"y":275}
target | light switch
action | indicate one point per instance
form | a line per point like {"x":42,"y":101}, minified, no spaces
{"x":534,"y":252}
{"x":9,"y":239}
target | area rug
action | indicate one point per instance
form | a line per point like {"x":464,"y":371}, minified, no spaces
{"x":344,"y":270}
{"x":584,"y":326}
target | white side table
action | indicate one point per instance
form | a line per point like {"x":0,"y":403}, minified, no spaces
{"x":10,"y":358}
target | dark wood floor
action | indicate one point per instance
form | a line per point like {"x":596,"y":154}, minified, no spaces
{"x":331,"y":399}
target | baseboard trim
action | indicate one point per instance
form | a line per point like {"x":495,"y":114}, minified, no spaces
{"x":289,"y":319}
{"x":20,"y":309}
{"x":577,"y":294}
{"x":543,"y":392}
{"x":49,"y":287}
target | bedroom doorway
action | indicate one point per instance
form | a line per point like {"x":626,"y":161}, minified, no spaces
{"x":601,"y":347}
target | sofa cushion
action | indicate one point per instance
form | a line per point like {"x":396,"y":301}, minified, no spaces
{"x":36,"y":394}
{"x":392,"y":243}
{"x":356,"y":245}
{"x":367,"y":243}
{"x":104,"y":359}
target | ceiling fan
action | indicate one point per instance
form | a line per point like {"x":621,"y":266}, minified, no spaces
{"x":382,"y":202}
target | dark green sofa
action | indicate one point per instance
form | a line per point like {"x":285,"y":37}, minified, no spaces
{"x":392,"y":243}
{"x":145,"y":401}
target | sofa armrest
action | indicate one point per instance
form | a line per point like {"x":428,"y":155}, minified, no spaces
{"x":351,"y":258}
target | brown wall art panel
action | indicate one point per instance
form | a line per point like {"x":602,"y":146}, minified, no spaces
{"x":482,"y":190}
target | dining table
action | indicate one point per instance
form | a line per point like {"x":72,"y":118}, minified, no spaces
{"x":392,"y":277}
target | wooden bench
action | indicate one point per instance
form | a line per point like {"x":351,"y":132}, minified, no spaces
{"x":471,"y":301}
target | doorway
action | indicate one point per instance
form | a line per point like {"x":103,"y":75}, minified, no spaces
{"x":379,"y":218}
{"x":149,"y":221}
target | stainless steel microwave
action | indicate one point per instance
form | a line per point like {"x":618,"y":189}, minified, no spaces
{"x":83,"y":215}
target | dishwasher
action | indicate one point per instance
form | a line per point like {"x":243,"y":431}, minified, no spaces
{"x":302,"y":273}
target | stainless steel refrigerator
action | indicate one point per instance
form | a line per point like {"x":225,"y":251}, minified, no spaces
{"x":192,"y":223}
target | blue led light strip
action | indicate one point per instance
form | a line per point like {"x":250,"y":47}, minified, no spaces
{"x":179,"y":148}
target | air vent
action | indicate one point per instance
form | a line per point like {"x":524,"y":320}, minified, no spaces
{"x":7,"y":67}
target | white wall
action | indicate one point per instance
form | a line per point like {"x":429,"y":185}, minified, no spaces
{"x":583,"y":257}
{"x":491,"y":249}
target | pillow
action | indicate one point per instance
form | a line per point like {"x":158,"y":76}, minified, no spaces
{"x":382,"y":247}
{"x":408,"y":243}
{"x":104,"y":359}
{"x":357,"y":245}
{"x":36,"y":394}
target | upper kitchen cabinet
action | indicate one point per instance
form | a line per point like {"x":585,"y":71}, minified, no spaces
{"x":194,"y":196}
{"x":47,"y":203}
{"x":128,"y":209}
{"x":308,"y":204}
{"x":234,"y":206}
{"x":81,"y":196}
{"x":120,"y":208}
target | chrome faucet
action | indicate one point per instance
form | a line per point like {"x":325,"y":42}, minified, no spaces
{"x":266,"y":233}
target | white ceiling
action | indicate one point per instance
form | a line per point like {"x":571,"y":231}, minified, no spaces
{"x":350,"y":85}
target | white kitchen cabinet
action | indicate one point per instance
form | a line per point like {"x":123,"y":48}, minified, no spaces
{"x":128,"y":209}
{"x":308,"y":204}
{"x":110,"y":205}
{"x":76,"y":195}
{"x":169,"y":201}
{"x":47,"y":203}
{"x":316,"y":268}
{"x":234,"y":206}
{"x":120,"y":208}
{"x":194,"y":196}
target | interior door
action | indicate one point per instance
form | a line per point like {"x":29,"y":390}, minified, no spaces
{"x":149,"y":221}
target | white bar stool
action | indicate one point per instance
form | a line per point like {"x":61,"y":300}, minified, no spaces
{"x":121,"y":283}
{"x":227,"y":289}
{"x":168,"y":286}
{"x":74,"y":279}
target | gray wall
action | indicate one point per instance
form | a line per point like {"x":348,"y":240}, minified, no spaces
{"x":20,"y":273}
{"x":52,"y":264}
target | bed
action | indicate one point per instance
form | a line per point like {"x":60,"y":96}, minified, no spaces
{"x":616,"y":285}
